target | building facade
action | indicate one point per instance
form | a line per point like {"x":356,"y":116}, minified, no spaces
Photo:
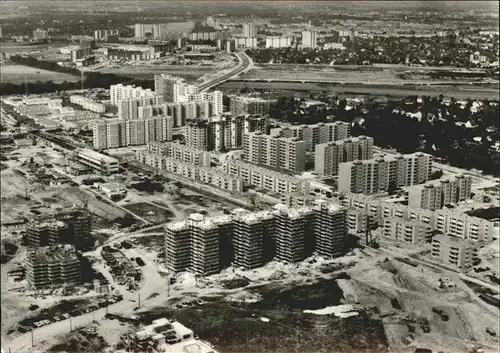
{"x":436,"y":194}
{"x":225,"y":132}
{"x":406,"y":231}
{"x":283,"y":234}
{"x":119,"y":92}
{"x":328,"y":156}
{"x":267,"y":179}
{"x":122,"y":133}
{"x":317,"y":133}
{"x":243,"y":105}
{"x":286,"y":153}
{"x":383,"y":174}
{"x":309,"y":39}
{"x":454,"y":252}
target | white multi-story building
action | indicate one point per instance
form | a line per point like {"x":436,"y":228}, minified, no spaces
{"x":382,"y":174}
{"x":278,"y":42}
{"x":267,"y":179}
{"x":119,"y":92}
{"x":121,"y":133}
{"x":249,"y":30}
{"x":130,"y":108}
{"x":245,"y":42}
{"x":87,"y":104}
{"x":328,"y":156}
{"x":274,"y":151}
{"x":223,"y":132}
{"x":316,"y":133}
{"x":436,"y":194}
{"x":454,"y":252}
{"x":309,"y":39}
{"x":445,"y":221}
{"x":407,"y":231}
{"x":214,"y":97}
{"x":181,"y":153}
{"x":190,"y":171}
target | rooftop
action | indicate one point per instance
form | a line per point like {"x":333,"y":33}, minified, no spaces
{"x":53,"y":255}
{"x":453,"y":241}
{"x":96,"y":155}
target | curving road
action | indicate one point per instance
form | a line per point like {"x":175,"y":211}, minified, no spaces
{"x":245,"y":64}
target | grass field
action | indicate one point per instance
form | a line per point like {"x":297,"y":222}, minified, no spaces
{"x":17,"y":73}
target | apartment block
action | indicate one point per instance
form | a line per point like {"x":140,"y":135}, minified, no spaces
{"x":173,"y":89}
{"x":214,"y":98}
{"x":406,"y":231}
{"x":220,"y":180}
{"x":266,"y":179}
{"x":463,"y":226}
{"x":250,"y":239}
{"x":43,"y":232}
{"x":277,"y":152}
{"x":445,"y":221}
{"x":251,"y":232}
{"x":53,"y":267}
{"x":204,"y":245}
{"x":294,"y":233}
{"x":435,"y":195}
{"x":249,"y":30}
{"x":220,"y":133}
{"x":316,"y":133}
{"x":330,"y":229}
{"x":278,"y":42}
{"x":454,"y":252}
{"x":87,"y":103}
{"x":309,"y":39}
{"x":119,"y":92}
{"x":180,"y":152}
{"x":381,"y":174}
{"x":328,"y":156}
{"x":243,"y":105}
{"x":295,"y":199}
{"x":121,"y":133}
{"x":129,"y":108}
{"x":190,"y":171}
{"x":358,"y":221}
{"x":102,"y":34}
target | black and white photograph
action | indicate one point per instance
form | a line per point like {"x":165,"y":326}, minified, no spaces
{"x":249,"y":176}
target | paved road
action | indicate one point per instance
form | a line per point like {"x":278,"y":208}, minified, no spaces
{"x":245,"y":63}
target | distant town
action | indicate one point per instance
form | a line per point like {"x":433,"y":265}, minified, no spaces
{"x":311,"y":178}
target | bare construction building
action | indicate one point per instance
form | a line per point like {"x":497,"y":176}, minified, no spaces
{"x":330,"y":229}
{"x":50,"y":267}
{"x":294,"y":233}
{"x":45,"y":232}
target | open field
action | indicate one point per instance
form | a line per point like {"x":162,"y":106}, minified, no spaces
{"x":459,"y":92}
{"x":190,"y":72}
{"x":150,"y":212}
{"x":12,"y":48}
{"x":14,"y":73}
{"x":367,"y":74}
